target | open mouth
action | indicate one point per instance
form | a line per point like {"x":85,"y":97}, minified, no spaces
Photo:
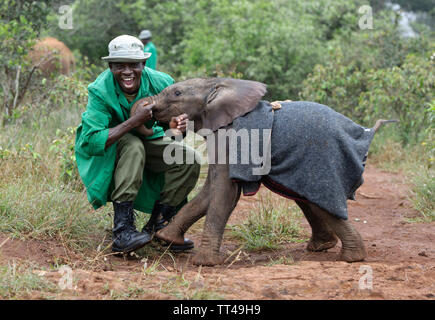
{"x":128,"y":82}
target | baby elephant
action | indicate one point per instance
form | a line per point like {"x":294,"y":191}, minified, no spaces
{"x":312,"y":155}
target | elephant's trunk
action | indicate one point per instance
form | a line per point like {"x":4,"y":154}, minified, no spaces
{"x":152,"y":100}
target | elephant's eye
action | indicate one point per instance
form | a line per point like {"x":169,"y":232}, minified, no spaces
{"x":177,"y":93}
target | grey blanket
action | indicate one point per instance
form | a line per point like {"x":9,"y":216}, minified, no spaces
{"x":317,"y":154}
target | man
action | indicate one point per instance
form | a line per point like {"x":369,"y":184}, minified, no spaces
{"x":145,"y":36}
{"x":116,"y":163}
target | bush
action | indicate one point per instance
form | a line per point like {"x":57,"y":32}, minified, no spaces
{"x":404,"y":93}
{"x":365,"y":93}
{"x":21,"y":23}
{"x":277,"y":42}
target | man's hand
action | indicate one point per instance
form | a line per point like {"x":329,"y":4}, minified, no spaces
{"x":178,"y":124}
{"x":143,"y":113}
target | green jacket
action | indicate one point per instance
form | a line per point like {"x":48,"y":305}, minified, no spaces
{"x":107,"y":107}
{"x":152,"y":61}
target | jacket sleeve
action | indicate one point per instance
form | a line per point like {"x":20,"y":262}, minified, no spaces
{"x":95,"y":126}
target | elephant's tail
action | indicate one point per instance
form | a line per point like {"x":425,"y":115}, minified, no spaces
{"x":380,"y":122}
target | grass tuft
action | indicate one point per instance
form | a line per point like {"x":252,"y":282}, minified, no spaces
{"x":17,"y":282}
{"x":269,"y":226}
{"x":423,"y":195}
{"x":181,"y":288}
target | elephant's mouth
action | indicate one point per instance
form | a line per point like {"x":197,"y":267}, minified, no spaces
{"x":165,"y":114}
{"x":160,"y":115}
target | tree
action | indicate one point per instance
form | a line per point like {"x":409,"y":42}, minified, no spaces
{"x":21,"y":23}
{"x":95,"y":23}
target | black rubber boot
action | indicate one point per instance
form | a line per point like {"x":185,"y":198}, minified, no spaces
{"x":125,"y":236}
{"x":161,"y":215}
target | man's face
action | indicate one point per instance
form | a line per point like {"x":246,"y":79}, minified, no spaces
{"x":128,"y":75}
{"x":145,"y":41}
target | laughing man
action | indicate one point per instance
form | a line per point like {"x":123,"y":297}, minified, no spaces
{"x":118,"y":164}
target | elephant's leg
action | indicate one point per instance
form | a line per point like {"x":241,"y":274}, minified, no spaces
{"x":188,"y":215}
{"x":322,"y":237}
{"x":224,"y":196}
{"x":352,"y":245}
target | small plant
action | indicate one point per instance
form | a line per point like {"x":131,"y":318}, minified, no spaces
{"x":429,"y":142}
{"x":4,"y":153}
{"x":63,"y":147}
{"x":281,"y":260}
{"x":268,"y":227}
{"x":424,"y":181}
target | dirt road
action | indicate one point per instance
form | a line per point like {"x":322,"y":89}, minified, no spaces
{"x":400,"y":263}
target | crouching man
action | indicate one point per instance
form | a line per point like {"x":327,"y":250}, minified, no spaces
{"x":121,"y":165}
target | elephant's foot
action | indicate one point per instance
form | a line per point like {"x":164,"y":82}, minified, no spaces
{"x":352,"y":245}
{"x":321,"y":244}
{"x":353,"y":254}
{"x":208,"y":258}
{"x":168,"y":236}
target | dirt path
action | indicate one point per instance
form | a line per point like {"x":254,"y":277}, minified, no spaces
{"x":400,"y":263}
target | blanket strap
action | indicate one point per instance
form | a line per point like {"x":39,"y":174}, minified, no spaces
{"x":277,"y":104}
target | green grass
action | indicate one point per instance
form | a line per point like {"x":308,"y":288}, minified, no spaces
{"x":181,"y":288}
{"x":269,"y":226}
{"x":36,"y":203}
{"x":281,"y":260}
{"x":413,"y":162}
{"x":45,"y":210}
{"x":17,"y":282}
{"x":423,"y":195}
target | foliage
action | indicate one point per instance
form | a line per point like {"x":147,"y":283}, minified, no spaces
{"x":416,"y":5}
{"x":430,"y":134}
{"x":21,"y":24}
{"x":375,"y":75}
{"x":424,"y":194}
{"x":277,"y":42}
{"x":404,"y":93}
{"x":63,"y":148}
{"x":259,"y":40}
{"x":95,"y":23}
{"x":424,"y":178}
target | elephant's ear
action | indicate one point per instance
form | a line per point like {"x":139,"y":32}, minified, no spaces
{"x":229,"y":99}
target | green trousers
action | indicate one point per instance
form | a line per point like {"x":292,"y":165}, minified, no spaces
{"x":133,"y":155}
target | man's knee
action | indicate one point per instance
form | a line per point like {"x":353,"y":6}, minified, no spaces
{"x":136,"y":149}
{"x":132,"y":146}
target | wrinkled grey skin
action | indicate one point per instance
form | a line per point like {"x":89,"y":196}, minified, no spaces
{"x":204,"y":100}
